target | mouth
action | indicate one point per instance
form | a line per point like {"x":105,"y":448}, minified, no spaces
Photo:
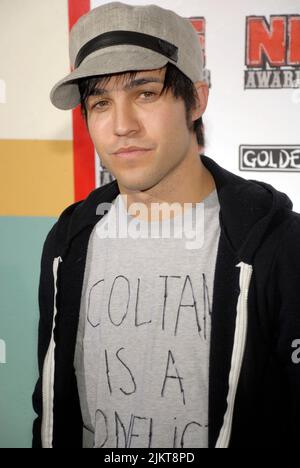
{"x":131,"y":154}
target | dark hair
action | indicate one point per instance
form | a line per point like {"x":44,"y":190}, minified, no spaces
{"x":180,"y":85}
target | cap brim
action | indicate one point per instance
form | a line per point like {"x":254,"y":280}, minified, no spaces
{"x":65,"y":94}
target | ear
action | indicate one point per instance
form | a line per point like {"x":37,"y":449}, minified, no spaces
{"x":202,"y":93}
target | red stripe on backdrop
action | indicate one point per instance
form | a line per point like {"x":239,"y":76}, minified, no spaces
{"x":84,"y":153}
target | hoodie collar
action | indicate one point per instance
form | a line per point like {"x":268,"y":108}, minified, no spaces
{"x":247,"y":209}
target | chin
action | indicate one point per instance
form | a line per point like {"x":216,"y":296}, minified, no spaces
{"x":135,"y":186}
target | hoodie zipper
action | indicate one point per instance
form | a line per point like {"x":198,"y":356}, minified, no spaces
{"x":48,"y":375}
{"x":237,"y":353}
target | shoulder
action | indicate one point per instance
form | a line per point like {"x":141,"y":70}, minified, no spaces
{"x":61,"y":223}
{"x":292,"y":227}
{"x":78,"y":211}
{"x":287,"y":257}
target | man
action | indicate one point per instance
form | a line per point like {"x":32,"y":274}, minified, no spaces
{"x":153,"y":341}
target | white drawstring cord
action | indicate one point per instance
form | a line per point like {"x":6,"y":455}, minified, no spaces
{"x":237,"y":353}
{"x":48,"y":375}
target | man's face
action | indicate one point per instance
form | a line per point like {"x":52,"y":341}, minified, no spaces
{"x":139,"y":117}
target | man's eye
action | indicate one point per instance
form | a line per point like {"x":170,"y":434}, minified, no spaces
{"x":99,"y":104}
{"x":149,"y":92}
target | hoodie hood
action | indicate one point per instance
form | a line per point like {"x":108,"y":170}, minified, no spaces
{"x":248,"y":209}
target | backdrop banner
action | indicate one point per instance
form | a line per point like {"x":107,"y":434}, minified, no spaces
{"x":252,"y":55}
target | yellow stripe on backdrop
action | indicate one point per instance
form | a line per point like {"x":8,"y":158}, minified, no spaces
{"x":36,"y":177}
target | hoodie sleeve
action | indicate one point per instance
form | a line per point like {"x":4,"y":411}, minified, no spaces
{"x":287,"y":274}
{"x":45,"y":298}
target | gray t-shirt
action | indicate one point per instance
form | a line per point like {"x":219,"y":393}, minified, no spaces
{"x":142,"y":351}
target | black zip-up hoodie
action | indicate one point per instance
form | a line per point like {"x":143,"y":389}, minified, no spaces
{"x":254,"y":373}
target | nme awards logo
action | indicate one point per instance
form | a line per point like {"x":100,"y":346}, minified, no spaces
{"x":272,"y":52}
{"x":199,"y":24}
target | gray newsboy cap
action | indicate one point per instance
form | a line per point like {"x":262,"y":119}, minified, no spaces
{"x":117,"y":37}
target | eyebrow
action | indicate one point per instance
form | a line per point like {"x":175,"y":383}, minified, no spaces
{"x":132,"y":84}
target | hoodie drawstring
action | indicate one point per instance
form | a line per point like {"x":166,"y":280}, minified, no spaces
{"x":48,"y":374}
{"x":237,"y":353}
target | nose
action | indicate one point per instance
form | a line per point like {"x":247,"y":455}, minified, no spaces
{"x":125,"y":119}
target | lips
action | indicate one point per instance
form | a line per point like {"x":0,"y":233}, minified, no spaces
{"x":131,"y":154}
{"x":131,"y":149}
